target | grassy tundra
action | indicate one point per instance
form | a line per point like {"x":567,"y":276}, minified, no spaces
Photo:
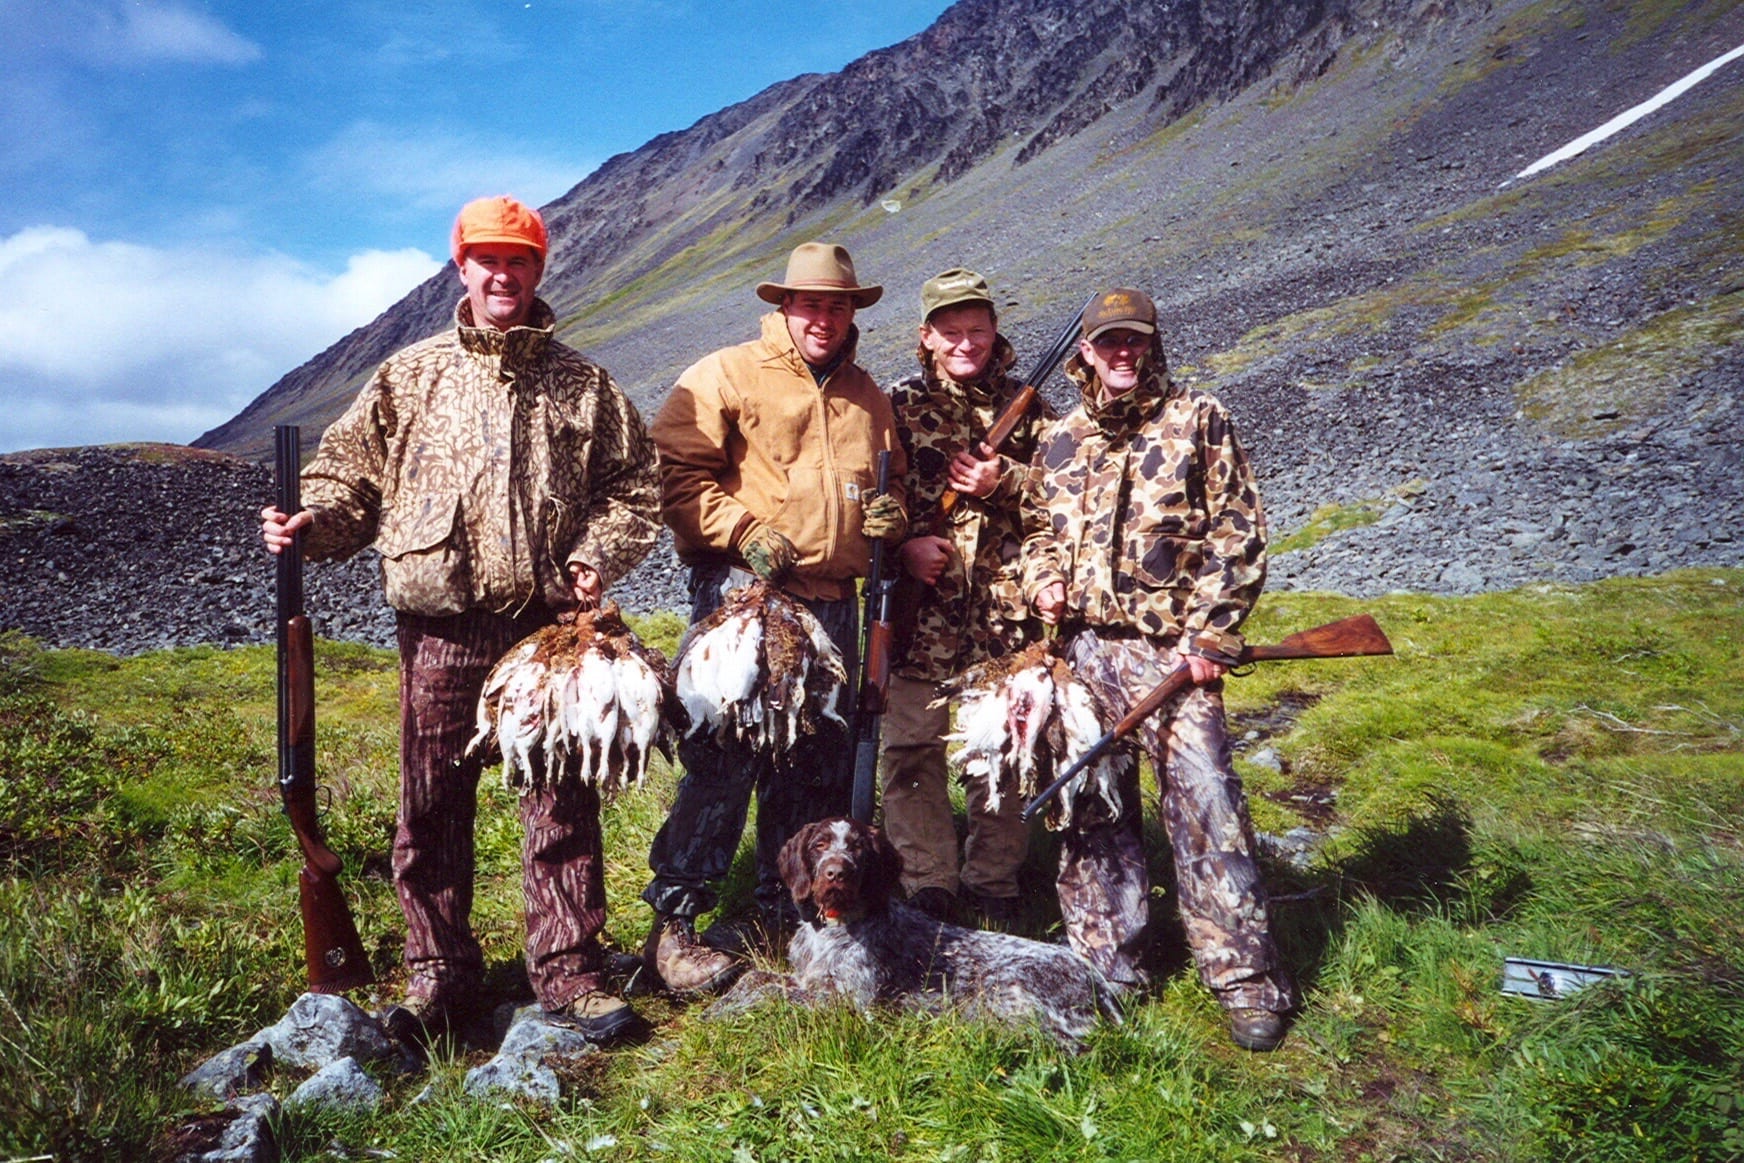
{"x":1555,"y":773}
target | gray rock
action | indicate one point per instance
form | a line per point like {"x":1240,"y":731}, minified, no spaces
{"x":247,"y":1136}
{"x":520,"y":1066}
{"x":319,"y":1029}
{"x":242,"y":1067}
{"x":338,"y":1084}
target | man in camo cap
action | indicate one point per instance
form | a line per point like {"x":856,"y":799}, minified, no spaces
{"x":963,"y":571}
{"x":1146,"y":545}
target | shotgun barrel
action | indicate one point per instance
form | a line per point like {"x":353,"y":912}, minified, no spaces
{"x":874,"y":669}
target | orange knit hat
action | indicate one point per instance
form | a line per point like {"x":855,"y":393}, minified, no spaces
{"x":499,"y":219}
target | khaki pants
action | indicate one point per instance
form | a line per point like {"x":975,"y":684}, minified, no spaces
{"x":917,"y":804}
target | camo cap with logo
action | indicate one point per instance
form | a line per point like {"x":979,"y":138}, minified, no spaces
{"x":953,"y":288}
{"x":1121,"y":307}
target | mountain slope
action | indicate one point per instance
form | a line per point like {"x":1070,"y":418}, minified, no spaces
{"x":1450,"y":384}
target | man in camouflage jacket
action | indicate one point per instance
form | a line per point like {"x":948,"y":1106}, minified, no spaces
{"x":964,"y":586}
{"x":1146,"y":543}
{"x":767,"y":454}
{"x":503,"y":478}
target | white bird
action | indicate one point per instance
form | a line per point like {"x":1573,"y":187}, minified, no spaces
{"x":761,"y":669}
{"x":584,"y":699}
{"x":1023,"y":716}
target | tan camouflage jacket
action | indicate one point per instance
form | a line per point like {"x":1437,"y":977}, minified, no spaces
{"x":976,"y":611}
{"x":748,"y":430}
{"x":480,"y":463}
{"x":1146,"y":508}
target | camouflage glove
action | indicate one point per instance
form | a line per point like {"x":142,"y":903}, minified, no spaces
{"x":883,"y":519}
{"x":769,"y":553}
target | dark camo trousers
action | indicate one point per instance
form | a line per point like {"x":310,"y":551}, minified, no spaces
{"x":1103,"y":884}
{"x":443,"y":664}
{"x":694,"y":848}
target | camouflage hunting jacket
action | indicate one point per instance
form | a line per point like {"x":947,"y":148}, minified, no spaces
{"x":1146,"y":508}
{"x":481,"y":463}
{"x":748,"y":434}
{"x":976,"y":611}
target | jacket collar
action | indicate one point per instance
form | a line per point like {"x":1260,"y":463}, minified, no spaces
{"x":779,"y":341}
{"x":1126,"y":412}
{"x":983,"y":390}
{"x":517,"y":348}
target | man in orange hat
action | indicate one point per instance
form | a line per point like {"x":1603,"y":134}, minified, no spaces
{"x":503,"y":478}
{"x":767,"y":454}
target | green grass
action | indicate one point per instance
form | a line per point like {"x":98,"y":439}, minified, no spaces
{"x":1553,"y":772}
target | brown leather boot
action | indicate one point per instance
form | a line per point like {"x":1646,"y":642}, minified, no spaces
{"x":684,"y":964}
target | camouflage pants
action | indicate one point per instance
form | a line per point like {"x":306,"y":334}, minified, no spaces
{"x":694,"y":848}
{"x":1103,"y":884}
{"x":917,"y":804}
{"x":443,"y":664}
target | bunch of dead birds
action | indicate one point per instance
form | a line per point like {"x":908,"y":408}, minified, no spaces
{"x":761,"y":671}
{"x":1021,"y":717}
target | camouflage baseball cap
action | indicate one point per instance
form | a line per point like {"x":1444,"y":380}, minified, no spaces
{"x":1121,"y":307}
{"x":953,"y":288}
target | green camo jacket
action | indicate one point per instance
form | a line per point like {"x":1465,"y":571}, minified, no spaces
{"x":1145,"y":507}
{"x":480,"y":463}
{"x":976,"y":611}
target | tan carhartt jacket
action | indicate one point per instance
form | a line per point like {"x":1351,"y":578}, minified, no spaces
{"x":748,"y":430}
{"x":480,"y":463}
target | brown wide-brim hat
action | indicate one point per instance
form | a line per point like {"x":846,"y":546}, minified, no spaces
{"x":824,"y":267}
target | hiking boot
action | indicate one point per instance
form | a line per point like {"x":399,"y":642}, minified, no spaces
{"x":686,"y":966}
{"x":995,"y":912}
{"x":1254,"y":1029}
{"x":938,"y":903}
{"x":600,"y":1017}
{"x":420,"y":1020}
{"x":764,"y":935}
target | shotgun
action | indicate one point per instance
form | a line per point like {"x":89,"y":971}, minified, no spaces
{"x":1348,"y":638}
{"x":909,"y":589}
{"x":874,"y":670}
{"x":332,"y":950}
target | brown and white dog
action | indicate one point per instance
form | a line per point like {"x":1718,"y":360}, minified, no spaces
{"x":855,"y":942}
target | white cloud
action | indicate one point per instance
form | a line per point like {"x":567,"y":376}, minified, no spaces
{"x":113,"y":33}
{"x":433,"y":170}
{"x":169,"y":32}
{"x":106,"y":341}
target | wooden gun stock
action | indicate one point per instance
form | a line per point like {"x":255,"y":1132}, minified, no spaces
{"x":332,"y":951}
{"x":1347,"y":638}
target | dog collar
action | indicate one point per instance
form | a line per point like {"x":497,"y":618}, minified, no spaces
{"x":828,"y":917}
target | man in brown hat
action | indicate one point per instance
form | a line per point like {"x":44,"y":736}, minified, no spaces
{"x":1147,"y":546}
{"x":970,"y":600}
{"x":767,"y":454}
{"x":503,"y":478}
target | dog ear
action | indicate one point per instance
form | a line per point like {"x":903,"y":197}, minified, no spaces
{"x":794,"y":864}
{"x":883,"y":871}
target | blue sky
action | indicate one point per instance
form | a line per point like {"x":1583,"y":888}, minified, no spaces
{"x":197,"y":197}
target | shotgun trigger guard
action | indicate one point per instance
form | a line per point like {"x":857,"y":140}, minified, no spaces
{"x":1240,"y":670}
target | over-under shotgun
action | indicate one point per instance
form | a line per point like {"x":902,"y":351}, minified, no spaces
{"x":331,"y":947}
